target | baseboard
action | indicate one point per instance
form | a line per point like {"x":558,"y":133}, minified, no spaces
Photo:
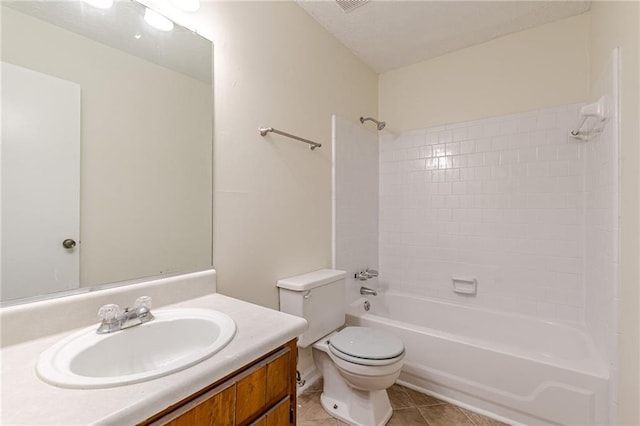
{"x":309,"y":377}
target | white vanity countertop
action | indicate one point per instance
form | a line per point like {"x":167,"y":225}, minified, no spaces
{"x":26,"y":400}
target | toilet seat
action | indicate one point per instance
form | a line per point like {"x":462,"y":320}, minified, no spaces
{"x":366,"y":346}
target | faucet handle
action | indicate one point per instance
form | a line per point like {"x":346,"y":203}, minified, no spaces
{"x":362,"y":276}
{"x":143,"y":302}
{"x":108,"y":313}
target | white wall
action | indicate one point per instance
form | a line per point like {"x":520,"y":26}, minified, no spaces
{"x":500,"y":199}
{"x":537,"y":68}
{"x":355,"y":202}
{"x":145,"y":189}
{"x":613,"y":24}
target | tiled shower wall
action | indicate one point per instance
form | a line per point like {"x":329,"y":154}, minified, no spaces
{"x":355,"y":201}
{"x":499,"y":199}
{"x":602,"y":194}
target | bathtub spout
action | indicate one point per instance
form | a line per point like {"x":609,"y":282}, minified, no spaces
{"x":368,"y":291}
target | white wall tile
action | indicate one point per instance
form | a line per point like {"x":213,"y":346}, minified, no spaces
{"x":468,"y":147}
{"x":547,"y":120}
{"x":504,"y":205}
{"x":460,"y":134}
{"x":511,"y":200}
{"x":445,"y":136}
{"x":483,"y":144}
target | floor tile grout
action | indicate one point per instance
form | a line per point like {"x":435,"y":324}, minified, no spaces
{"x":467,"y":416}
{"x":425,"y":419}
{"x":402,"y":396}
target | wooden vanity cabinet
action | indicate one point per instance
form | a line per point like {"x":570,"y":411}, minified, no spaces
{"x":263,"y":393}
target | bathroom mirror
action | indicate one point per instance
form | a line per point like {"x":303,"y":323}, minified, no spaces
{"x":106,"y":147}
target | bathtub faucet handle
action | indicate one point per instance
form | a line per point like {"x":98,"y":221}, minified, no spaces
{"x":362,"y":276}
{"x":371,"y":273}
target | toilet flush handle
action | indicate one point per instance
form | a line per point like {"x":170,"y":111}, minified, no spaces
{"x":307,"y":294}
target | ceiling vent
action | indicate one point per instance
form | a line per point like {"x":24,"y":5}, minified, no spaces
{"x":349,"y":5}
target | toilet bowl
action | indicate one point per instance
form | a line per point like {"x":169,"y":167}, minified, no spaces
{"x":358,"y":364}
{"x":354,"y":388}
{"x":367,"y":358}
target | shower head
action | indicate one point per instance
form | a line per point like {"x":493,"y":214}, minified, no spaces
{"x":380,"y":124}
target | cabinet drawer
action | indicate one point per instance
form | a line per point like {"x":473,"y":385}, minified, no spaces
{"x":262,"y":386}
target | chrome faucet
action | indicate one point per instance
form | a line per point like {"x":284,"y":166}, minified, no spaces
{"x":366,"y":274}
{"x":371,"y":273}
{"x":368,"y":291}
{"x":362,"y":276}
{"x":113,"y":319}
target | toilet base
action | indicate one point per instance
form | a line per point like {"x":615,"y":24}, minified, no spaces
{"x":361,"y":409}
{"x":353,"y":406}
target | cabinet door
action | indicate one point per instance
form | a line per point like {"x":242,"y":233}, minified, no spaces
{"x":280,"y":415}
{"x":278,"y":378}
{"x":263,"y":386}
{"x":252,"y":392}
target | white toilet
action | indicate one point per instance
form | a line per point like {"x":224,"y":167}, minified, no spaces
{"x":358,"y":364}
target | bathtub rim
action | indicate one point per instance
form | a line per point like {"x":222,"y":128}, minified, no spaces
{"x":593,"y":365}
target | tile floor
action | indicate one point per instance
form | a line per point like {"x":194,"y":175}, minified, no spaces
{"x":410,"y":408}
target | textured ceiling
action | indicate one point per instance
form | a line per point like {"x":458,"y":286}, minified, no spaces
{"x":392,"y":34}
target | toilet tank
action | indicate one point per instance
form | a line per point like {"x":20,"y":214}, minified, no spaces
{"x":319,"y":297}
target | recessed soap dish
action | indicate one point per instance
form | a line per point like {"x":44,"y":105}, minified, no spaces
{"x":465,"y":285}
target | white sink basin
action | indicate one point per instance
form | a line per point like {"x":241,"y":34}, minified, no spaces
{"x":174,"y":340}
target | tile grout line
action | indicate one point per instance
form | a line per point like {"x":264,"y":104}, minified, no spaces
{"x":423,"y":417}
{"x":466,"y":415}
{"x":412,"y":405}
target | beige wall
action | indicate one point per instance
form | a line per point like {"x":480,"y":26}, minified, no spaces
{"x":617,"y":24}
{"x":536,"y":68}
{"x":146,"y":159}
{"x":275,"y":66}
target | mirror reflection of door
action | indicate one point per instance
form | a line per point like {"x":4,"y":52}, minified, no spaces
{"x":40,"y":152}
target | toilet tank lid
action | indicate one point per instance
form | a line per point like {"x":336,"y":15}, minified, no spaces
{"x":311,"y":280}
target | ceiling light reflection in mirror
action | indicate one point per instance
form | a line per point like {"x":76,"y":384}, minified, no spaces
{"x":151,"y":17}
{"x":157,"y":21}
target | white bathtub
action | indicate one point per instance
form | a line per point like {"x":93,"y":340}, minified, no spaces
{"x":512,"y":367}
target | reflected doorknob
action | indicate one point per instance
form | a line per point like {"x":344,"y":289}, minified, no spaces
{"x":68,"y":243}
